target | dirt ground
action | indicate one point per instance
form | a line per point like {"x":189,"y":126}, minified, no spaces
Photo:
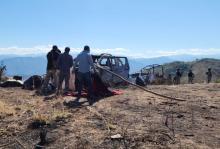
{"x":136,"y":119}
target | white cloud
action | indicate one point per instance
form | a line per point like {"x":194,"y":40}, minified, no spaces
{"x":37,"y":50}
{"x":24,"y":51}
{"x":210,"y":51}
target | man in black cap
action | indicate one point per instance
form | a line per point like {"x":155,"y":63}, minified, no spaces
{"x":52,"y":71}
{"x":65,"y":62}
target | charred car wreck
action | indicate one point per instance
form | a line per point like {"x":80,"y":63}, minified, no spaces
{"x":150,"y":74}
{"x":116,"y":64}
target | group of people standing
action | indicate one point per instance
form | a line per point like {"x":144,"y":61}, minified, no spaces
{"x":191,"y":76}
{"x":59,"y":67}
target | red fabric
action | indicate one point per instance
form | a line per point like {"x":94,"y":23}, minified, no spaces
{"x":84,"y":94}
{"x":117,"y":92}
{"x":99,"y":89}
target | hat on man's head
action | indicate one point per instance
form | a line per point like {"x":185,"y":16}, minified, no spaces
{"x":54,"y":47}
{"x":86,"y":48}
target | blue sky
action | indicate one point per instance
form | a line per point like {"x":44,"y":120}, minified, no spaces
{"x":131,"y":27}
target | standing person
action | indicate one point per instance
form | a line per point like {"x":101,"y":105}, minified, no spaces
{"x":209,"y":75}
{"x":85,"y":63}
{"x":75,"y":71}
{"x":169,"y":79}
{"x":65,"y":62}
{"x":178,"y":76}
{"x":52,"y":72}
{"x":190,"y":77}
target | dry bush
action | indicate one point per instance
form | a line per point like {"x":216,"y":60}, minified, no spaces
{"x":2,"y":72}
{"x":58,"y":115}
{"x":6,"y":110}
{"x":40,"y":120}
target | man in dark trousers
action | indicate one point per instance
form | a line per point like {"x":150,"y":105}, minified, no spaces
{"x":65,"y":62}
{"x":169,"y":79}
{"x":52,"y":71}
{"x":178,"y":76}
{"x":209,"y":75}
{"x":190,"y":77}
{"x":85,"y":63}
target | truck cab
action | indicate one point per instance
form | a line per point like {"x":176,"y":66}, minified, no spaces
{"x":116,"y":64}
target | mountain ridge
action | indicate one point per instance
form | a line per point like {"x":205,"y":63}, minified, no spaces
{"x":31,"y":65}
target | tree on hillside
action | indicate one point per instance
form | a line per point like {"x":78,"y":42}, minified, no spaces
{"x":2,"y":70}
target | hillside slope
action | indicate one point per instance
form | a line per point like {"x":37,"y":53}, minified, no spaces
{"x":199,"y":68}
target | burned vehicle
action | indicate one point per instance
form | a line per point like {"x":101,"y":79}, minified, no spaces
{"x":151,"y":74}
{"x":107,"y":68}
{"x":116,"y":64}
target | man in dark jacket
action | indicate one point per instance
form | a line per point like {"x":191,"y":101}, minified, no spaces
{"x":65,"y":62}
{"x":178,"y":76}
{"x":190,"y":77}
{"x":52,"y":71}
{"x":209,"y":75}
{"x":85,"y":63}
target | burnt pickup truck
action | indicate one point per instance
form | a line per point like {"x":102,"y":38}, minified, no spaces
{"x":116,"y":64}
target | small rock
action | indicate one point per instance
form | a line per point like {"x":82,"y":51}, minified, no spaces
{"x":189,"y":135}
{"x":180,"y":116}
{"x":213,"y":107}
{"x":17,"y":108}
{"x":210,"y":118}
{"x":203,"y":108}
{"x":117,"y":136}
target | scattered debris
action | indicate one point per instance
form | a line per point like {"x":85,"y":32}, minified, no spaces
{"x":117,"y":136}
{"x":210,"y":118}
{"x":37,"y":124}
{"x":213,"y":107}
{"x":180,"y":116}
{"x":12,"y":83}
{"x":34,"y":82}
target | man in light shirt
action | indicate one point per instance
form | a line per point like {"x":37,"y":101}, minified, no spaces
{"x":85,"y":64}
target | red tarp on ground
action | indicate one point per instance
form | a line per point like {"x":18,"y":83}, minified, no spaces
{"x":99,"y":89}
{"x":84,"y":94}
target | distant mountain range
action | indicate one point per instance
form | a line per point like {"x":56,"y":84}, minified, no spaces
{"x":30,"y":65}
{"x":25,"y":66}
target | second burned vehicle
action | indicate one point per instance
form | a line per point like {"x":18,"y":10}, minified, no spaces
{"x":150,"y":74}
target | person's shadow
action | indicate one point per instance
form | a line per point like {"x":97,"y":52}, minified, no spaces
{"x":74,"y":104}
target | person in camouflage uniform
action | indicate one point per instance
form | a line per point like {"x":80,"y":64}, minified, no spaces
{"x":52,"y":71}
{"x":178,"y":76}
{"x":190,"y":77}
{"x":209,"y":75}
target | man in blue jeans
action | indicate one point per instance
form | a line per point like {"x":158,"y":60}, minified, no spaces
{"x":85,"y":64}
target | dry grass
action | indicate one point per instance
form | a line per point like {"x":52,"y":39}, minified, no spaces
{"x":6,"y":110}
{"x":140,"y":118}
{"x":56,"y":115}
